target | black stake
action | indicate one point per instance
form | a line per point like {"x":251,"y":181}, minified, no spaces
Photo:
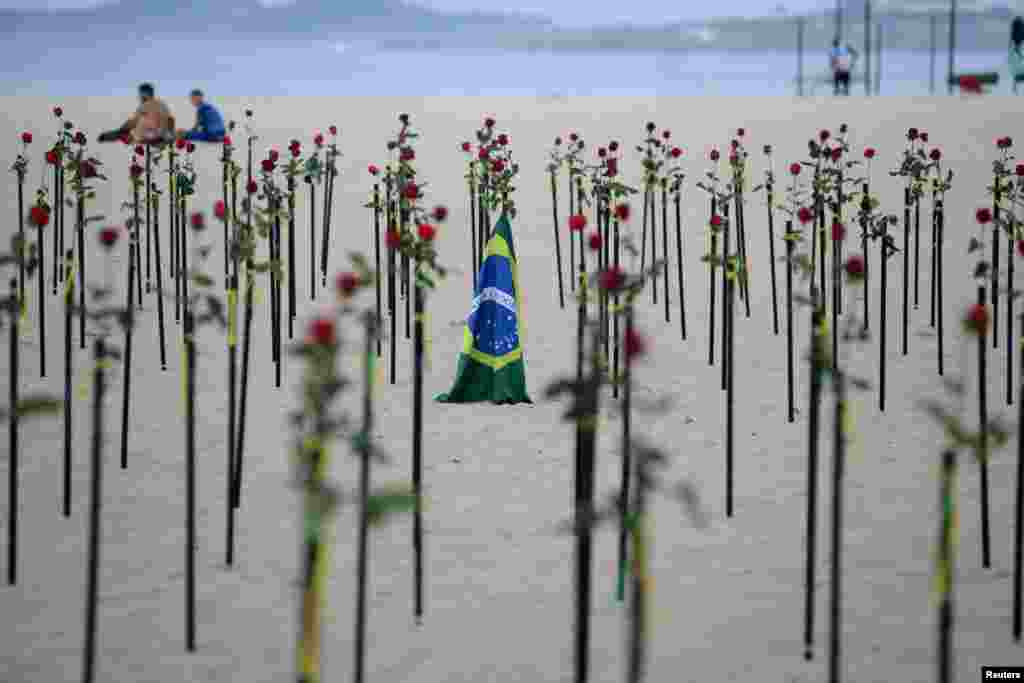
{"x":729,"y":347}
{"x":726,"y":322}
{"x":292,"y":286}
{"x":232,"y":287}
{"x":475,"y":262}
{"x":312,"y":239}
{"x":771,"y":256}
{"x":417,"y":450}
{"x":126,"y":390}
{"x":379,"y":320}
{"x":906,"y":269}
{"x":12,"y":472}
{"x":838,"y":466}
{"x":817,"y":350}
{"x":80,"y":229}
{"x":1009,"y":318}
{"x":711,"y":286}
{"x":652,"y":196}
{"x":883,"y":299}
{"x":392,"y":286}
{"x":21,"y":237}
{"x":190,"y":483}
{"x":627,"y":462}
{"x":935,"y":236}
{"x":250,"y":285}
{"x":572,"y":243}
{"x":69,"y":304}
{"x":149,"y":220}
{"x":1018,"y":527}
{"x":790,"y":405}
{"x":364,"y":496}
{"x":558,"y":243}
{"x":866,"y":208}
{"x":95,"y":502}
{"x":664,"y":240}
{"x":586,"y":434}
{"x":159,"y":281}
{"x":996,"y":200}
{"x":986,"y":558}
{"x":940,"y":219}
{"x":917,"y":249}
{"x":947,"y":505}
{"x":679,"y":262}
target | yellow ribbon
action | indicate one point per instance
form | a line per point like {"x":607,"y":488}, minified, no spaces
{"x":69,"y":283}
{"x":258,"y":297}
{"x":24,"y":308}
{"x":428,"y":341}
{"x":232,"y":317}
{"x":85,"y":383}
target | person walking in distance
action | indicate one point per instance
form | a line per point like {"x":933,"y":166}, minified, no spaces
{"x":842,"y":59}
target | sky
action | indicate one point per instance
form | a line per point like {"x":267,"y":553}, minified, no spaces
{"x":563,"y":12}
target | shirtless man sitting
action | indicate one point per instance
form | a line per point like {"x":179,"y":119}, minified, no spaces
{"x":152,"y":122}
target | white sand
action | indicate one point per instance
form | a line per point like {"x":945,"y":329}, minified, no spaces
{"x":729,"y":600}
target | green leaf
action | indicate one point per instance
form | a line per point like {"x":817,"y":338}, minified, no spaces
{"x":388,"y":501}
{"x":38,"y":405}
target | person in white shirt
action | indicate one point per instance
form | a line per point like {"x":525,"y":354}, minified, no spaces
{"x":842,"y":59}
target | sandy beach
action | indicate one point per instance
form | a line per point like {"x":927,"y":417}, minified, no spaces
{"x":728,"y":600}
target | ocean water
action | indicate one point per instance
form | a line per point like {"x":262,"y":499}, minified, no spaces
{"x":75,"y":66}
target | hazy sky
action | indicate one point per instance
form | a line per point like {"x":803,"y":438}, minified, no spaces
{"x":566,"y":12}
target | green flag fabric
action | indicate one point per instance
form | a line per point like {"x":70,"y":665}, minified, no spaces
{"x":491,"y":364}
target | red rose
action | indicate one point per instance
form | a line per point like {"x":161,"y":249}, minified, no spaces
{"x":26,"y":138}
{"x":924,"y":136}
{"x":869,"y":153}
{"x":87,"y":169}
{"x":594,"y":241}
{"x":676,"y":152}
{"x":824,"y":135}
{"x":39,"y":216}
{"x":180,"y":143}
{"x":734,"y":158}
{"x":622,"y":212}
{"x":912,"y":134}
{"x":489,"y":122}
{"x":321,"y":333}
{"x":935,"y":155}
{"x":140,"y":151}
{"x":983,"y":215}
{"x":976,"y":319}
{"x":482,"y":155}
{"x":393,"y":239}
{"x":1020,"y":170}
{"x":602,"y":152}
{"x":273,"y":155}
{"x":838,"y":232}
{"x":407,"y":154}
{"x":666,"y":134}
{"x":51,"y":157}
{"x":135,"y":171}
{"x":635,"y":345}
{"x":126,"y":139}
{"x":794,"y":168}
{"x":440,"y":213}
{"x":227,"y":140}
{"x":198,"y":221}
{"x":574,"y":137}
{"x":1007,"y":142}
{"x":190,"y":148}
{"x":735,"y":144}
{"x":80,"y":138}
{"x":855,"y":266}
{"x":219,"y":209}
{"x":1020,"y":247}
{"x":466,"y":147}
{"x":333,"y":130}
{"x":58,"y":112}
{"x":805,"y":215}
{"x":837,"y":152}
{"x":498,"y":166}
{"x":613,"y":146}
{"x":714,"y":156}
{"x":577,"y":222}
{"x":503,"y":139}
{"x":613,"y":167}
{"x":252,"y":187}
{"x":296,"y":151}
{"x":318,"y":140}
{"x":267,"y":165}
{"x":412,"y":191}
{"x":426,"y":231}
{"x":716,"y":221}
{"x":347,"y":284}
{"x":612,"y":279}
{"x":740,"y":132}
{"x":373,"y":169}
{"x":109,"y":236}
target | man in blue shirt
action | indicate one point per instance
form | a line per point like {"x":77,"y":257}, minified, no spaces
{"x":841,"y":59}
{"x":209,"y":123}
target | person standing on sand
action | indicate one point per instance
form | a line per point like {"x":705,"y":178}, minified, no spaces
{"x":209,"y":123}
{"x":1016,"y":52}
{"x":842,"y":59}
{"x":152,"y":122}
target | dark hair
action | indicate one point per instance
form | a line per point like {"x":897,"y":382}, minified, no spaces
{"x":196,"y":93}
{"x":146,"y":89}
{"x":1017,"y":31}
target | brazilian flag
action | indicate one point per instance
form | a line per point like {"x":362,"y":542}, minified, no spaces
{"x":491,"y":365}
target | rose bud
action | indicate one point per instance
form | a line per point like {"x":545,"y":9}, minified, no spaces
{"x":407,"y":154}
{"x":714,"y":156}
{"x":273,"y":155}
{"x":403,"y":119}
{"x":869,"y":153}
{"x":318,"y":140}
{"x":39,"y":216}
{"x":716,"y":221}
{"x":855,"y":267}
{"x":502,"y":139}
{"x":794,"y":168}
{"x":558,"y":142}
{"x":612,"y":279}
{"x":602,"y":152}
{"x":740,"y":132}
{"x":498,"y":166}
{"x":1007,"y":142}
{"x":219,"y":209}
{"x":26,"y":138}
{"x":976,"y":320}
{"x":676,"y":152}
{"x":577,"y":222}
{"x":190,"y":148}
{"x":466,"y":147}
{"x":227,"y":140}
{"x":135,"y":171}
{"x":347,"y":284}
{"x":837,"y":153}
{"x":767,"y":149}
{"x":734,"y":158}
{"x":412,"y":191}
{"x":426,"y":231}
{"x":838,"y":232}
{"x":1020,"y":170}
{"x":252,"y":187}
{"x":140,"y":151}
{"x":489,"y":122}
{"x":573,"y":137}
{"x":333,"y":130}
{"x":635,"y":345}
{"x":198,"y":221}
{"x":109,"y":236}
{"x":622,"y":212}
{"x":912,"y":134}
{"x":666,"y":134}
{"x":650,"y":127}
{"x":935,"y":155}
{"x":80,"y":138}
{"x":321,"y":333}
{"x":924,"y":136}
{"x":805,"y":215}
{"x":87,"y":169}
{"x":393,"y":239}
{"x":735,"y":144}
{"x":824,"y":135}
{"x":983,"y":215}
{"x":594,"y":240}
{"x":613,"y":146}
{"x":482,"y":155}
{"x":51,"y":157}
{"x":58,"y":112}
{"x":613,"y":167}
{"x":296,"y":151}
{"x":267,"y":165}
{"x":440,"y":213}
{"x":1020,"y":247}
{"x":373,"y":169}
{"x":180,"y":143}
{"x":843,"y":128}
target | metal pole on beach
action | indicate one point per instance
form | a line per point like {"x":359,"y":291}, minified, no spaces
{"x":931,"y":52}
{"x":800,"y":56}
{"x":952,"y":43}
{"x":867,"y":47}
